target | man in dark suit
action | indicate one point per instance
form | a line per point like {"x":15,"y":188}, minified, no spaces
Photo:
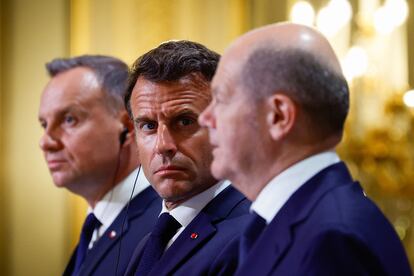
{"x":168,"y":88}
{"x":281,"y":87}
{"x":90,"y":150}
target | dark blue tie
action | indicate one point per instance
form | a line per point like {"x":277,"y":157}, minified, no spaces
{"x":90,"y":224}
{"x":163,"y":231}
{"x":253,"y":230}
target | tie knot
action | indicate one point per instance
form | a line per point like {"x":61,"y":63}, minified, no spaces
{"x":166,"y":226}
{"x":90,"y":224}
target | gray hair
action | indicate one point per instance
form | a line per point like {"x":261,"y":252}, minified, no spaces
{"x":112,"y":74}
{"x":316,"y":88}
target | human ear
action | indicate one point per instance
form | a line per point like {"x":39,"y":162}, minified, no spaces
{"x":281,"y":115}
{"x":127,"y":126}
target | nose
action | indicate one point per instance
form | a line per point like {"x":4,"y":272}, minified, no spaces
{"x":206,"y":118}
{"x":166,"y":145}
{"x":49,"y":143}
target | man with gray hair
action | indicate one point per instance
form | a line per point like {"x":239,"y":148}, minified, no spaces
{"x":281,"y":87}
{"x":89,"y":147}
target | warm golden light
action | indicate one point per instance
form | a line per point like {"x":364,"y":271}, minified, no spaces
{"x":392,"y":14}
{"x":409,"y":98}
{"x":355,"y":63}
{"x":383,"y":21}
{"x":333,"y":17}
{"x":302,"y":13}
{"x":399,"y":11}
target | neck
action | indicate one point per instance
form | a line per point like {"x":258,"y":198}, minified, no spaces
{"x":284,"y":160}
{"x":171,"y":205}
{"x":126,"y":165}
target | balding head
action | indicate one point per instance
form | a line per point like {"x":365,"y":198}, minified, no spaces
{"x":299,"y":62}
{"x":283,"y":36}
{"x":281,"y":88}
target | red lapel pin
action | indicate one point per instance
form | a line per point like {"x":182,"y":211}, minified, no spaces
{"x":112,"y":234}
{"x":194,"y":236}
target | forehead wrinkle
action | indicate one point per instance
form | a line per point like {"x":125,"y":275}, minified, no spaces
{"x":174,"y":98}
{"x":168,"y":109}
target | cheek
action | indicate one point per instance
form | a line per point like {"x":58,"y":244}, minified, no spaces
{"x":76,"y":146}
{"x":224,"y":124}
{"x":234,"y":140}
{"x":89,"y":146}
{"x":145,"y":147}
{"x":228,"y":134}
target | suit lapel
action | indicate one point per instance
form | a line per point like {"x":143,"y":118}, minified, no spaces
{"x":115,"y":232}
{"x":198,"y":232}
{"x":277,"y":237}
{"x":105,"y":243}
{"x":136,"y":257}
{"x":71,"y":265}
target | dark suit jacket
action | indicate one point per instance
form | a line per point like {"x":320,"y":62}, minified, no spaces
{"x":142,"y":216}
{"x":328,"y":227}
{"x":219,"y":222}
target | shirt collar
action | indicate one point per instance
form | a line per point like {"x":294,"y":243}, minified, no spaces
{"x":109,"y":207}
{"x":188,"y":210}
{"x":277,"y":192}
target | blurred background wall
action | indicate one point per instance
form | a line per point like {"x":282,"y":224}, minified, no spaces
{"x":374,"y":39}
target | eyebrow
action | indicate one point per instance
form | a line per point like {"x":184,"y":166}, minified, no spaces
{"x":185,"y":111}
{"x":66,"y":109}
{"x":182,"y":112}
{"x":140,"y":119}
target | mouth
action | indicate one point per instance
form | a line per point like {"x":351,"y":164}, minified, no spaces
{"x":55,"y":164}
{"x":169,"y":170}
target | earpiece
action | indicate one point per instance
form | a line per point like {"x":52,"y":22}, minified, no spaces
{"x":123,"y":136}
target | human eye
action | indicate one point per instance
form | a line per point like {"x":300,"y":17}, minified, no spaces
{"x":43,"y":124}
{"x":215,"y":101}
{"x":218,"y":100}
{"x":146,"y":126}
{"x":186,"y":121}
{"x":69,"y":120}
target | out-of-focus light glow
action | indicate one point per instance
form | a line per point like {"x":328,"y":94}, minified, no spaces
{"x":302,"y":13}
{"x":399,"y":11}
{"x":355,"y":63}
{"x":408,"y":98}
{"x":392,"y":14}
{"x":325,"y":22}
{"x":383,"y":21}
{"x":333,"y":17}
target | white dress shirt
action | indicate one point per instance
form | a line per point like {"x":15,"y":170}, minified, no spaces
{"x":277,"y":192}
{"x":188,"y":210}
{"x":109,"y":207}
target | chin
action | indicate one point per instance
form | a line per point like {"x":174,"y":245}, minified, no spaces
{"x":170,"y":190}
{"x":218,"y":171}
{"x":61,"y":181}
{"x":174,"y":197}
{"x":60,"y":184}
{"x":58,"y":181}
